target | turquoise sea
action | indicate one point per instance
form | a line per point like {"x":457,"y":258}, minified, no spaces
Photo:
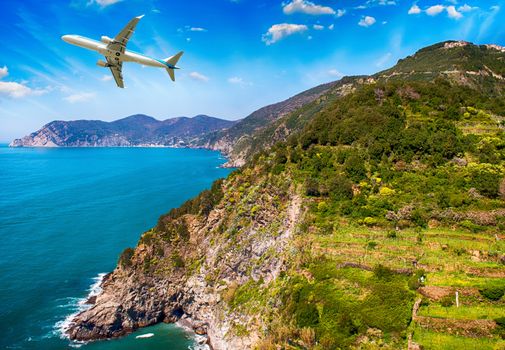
{"x":65,"y":216}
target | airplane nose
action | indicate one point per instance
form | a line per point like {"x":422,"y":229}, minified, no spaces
{"x":65,"y":38}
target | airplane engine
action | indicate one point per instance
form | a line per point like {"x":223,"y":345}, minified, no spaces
{"x":102,"y":63}
{"x":106,"y":40}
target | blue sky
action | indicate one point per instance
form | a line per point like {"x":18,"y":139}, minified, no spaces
{"x":239,"y":54}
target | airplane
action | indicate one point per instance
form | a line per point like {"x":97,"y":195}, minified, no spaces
{"x":115,"y":52}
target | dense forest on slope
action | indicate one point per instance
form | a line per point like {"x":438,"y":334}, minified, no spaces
{"x":355,"y":230}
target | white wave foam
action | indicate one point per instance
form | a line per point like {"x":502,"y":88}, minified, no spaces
{"x":147,"y":335}
{"x":200,"y":343}
{"x":77,"y":305}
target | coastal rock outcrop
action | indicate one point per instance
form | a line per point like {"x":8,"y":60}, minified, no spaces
{"x":183,"y":269}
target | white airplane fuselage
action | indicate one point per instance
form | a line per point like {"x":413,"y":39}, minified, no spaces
{"x":101,"y":47}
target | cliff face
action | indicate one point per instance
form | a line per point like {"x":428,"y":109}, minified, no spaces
{"x":136,"y":130}
{"x":184,"y":268}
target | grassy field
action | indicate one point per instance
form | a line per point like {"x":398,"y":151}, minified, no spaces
{"x":464,"y":312}
{"x":438,"y":341}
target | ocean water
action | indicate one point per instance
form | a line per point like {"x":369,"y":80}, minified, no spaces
{"x":65,"y":216}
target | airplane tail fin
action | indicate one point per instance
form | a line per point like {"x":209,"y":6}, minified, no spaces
{"x":171,"y":63}
{"x":171,"y":73}
{"x":174,"y":59}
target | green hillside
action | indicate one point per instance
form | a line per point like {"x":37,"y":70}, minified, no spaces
{"x":405,"y":201}
{"x":458,"y":63}
{"x":403,"y":180}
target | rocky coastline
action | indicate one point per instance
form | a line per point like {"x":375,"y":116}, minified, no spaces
{"x":184,"y":280}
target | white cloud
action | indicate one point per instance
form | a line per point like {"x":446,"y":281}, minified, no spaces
{"x":383,"y":2}
{"x":495,"y":8}
{"x":79,"y":97}
{"x":191,"y":29}
{"x":453,"y":13}
{"x":238,"y":81}
{"x":331,"y":26}
{"x":4,"y":72}
{"x":198,"y":76}
{"x":435,"y":10}
{"x":335,"y":73}
{"x":467,"y":8}
{"x":104,"y":3}
{"x":414,"y":10}
{"x":280,"y":31}
{"x":374,"y":3}
{"x":106,"y":77}
{"x":307,"y":7}
{"x":340,"y":13}
{"x":235,"y":80}
{"x":17,"y":90}
{"x":366,"y":21}
{"x":318,"y":27}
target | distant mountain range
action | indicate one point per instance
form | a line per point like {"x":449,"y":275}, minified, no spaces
{"x":135,"y":130}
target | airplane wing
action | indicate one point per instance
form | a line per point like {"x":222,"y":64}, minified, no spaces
{"x":116,"y":70}
{"x":120,"y":40}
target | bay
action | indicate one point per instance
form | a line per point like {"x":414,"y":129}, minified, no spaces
{"x":65,"y":216}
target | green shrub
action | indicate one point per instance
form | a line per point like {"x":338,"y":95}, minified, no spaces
{"x":277,"y":169}
{"x":125,"y":259}
{"x":383,"y":272}
{"x":492,"y":292}
{"x":500,"y":322}
{"x":355,"y":168}
{"x":447,"y":301}
{"x":177,"y":260}
{"x":486,"y":179}
{"x":369,"y":221}
{"x":371,"y":245}
{"x":459,"y":251}
{"x":500,"y":327}
{"x":312,"y":187}
{"x":471,"y":226}
{"x":307,"y":315}
{"x":322,"y":206}
{"x":419,"y":218}
{"x":339,"y":188}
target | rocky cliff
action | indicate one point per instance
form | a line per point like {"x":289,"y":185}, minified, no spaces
{"x":135,"y":130}
{"x":185,"y":267}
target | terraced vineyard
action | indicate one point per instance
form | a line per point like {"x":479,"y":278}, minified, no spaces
{"x":452,"y":260}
